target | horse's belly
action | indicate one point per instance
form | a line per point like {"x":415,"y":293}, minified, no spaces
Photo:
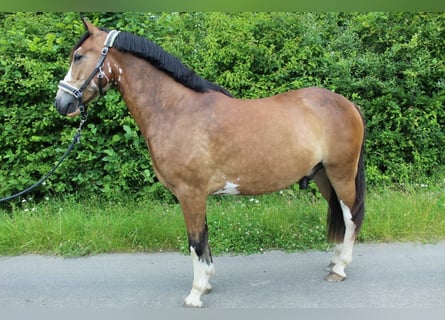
{"x":239,"y":186}
{"x":260,"y":178}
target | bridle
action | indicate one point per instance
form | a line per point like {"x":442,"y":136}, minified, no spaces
{"x":77,"y":93}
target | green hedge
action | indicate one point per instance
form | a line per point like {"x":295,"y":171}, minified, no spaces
{"x":391,"y":64}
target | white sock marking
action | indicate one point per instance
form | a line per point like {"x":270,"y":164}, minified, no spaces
{"x":343,"y":252}
{"x":201,"y":274}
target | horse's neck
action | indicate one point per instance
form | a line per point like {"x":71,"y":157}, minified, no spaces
{"x":153,"y":97}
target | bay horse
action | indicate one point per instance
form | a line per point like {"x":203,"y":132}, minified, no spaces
{"x":203,"y":141}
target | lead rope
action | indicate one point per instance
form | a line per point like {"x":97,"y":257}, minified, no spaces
{"x":77,"y":93}
{"x":76,"y":139}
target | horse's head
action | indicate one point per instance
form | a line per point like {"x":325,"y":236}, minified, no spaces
{"x":86,"y":78}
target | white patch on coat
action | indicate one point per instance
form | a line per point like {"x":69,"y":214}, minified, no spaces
{"x":229,"y":188}
{"x":201,"y":274}
{"x":119,"y":69}
{"x":120,"y":74}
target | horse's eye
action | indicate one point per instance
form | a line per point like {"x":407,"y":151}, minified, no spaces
{"x":77,"y":57}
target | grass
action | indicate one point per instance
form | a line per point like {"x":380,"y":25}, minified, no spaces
{"x":416,"y":214}
{"x":289,"y":220}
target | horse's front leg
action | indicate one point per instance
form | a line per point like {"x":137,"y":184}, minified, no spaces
{"x":197,"y":231}
{"x":202,"y":270}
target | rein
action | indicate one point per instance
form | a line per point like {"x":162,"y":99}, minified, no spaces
{"x":77,"y":94}
{"x":76,"y":139}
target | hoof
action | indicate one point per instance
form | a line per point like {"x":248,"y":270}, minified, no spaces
{"x":334,"y":277}
{"x":193,"y":300}
{"x":190,"y":303}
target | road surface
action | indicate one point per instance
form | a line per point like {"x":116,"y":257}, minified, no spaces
{"x":380,"y":276}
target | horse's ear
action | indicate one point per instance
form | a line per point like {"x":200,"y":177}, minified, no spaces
{"x":88,"y":25}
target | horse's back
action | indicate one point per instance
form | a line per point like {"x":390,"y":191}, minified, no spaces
{"x":335,"y":118}
{"x":316,"y":112}
{"x":278,"y":139}
{"x":319,"y":100}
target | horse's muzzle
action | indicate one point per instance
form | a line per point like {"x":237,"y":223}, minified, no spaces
{"x":66,"y":104}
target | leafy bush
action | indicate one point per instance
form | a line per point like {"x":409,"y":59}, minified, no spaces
{"x":391,"y":64}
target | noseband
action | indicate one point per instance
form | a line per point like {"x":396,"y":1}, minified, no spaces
{"x":77,"y":93}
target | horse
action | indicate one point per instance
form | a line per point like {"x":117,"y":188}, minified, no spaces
{"x":203,"y":141}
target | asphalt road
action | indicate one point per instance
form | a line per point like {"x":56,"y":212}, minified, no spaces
{"x":380,"y":276}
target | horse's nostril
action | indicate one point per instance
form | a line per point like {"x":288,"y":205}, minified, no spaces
{"x":63,"y":106}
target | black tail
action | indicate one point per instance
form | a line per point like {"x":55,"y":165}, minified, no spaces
{"x":358,"y":213}
{"x":336,"y":225}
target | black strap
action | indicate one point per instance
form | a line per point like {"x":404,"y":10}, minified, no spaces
{"x":77,"y":93}
{"x":76,"y":139}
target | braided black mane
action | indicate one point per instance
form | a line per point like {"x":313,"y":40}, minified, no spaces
{"x":158,"y":57}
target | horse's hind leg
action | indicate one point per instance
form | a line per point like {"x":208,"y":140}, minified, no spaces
{"x":345,"y":192}
{"x":340,"y":196}
{"x":343,"y":251}
{"x":195,"y":218}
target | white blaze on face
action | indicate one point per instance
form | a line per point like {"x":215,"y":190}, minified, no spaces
{"x":229,"y":188}
{"x":68,"y":76}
